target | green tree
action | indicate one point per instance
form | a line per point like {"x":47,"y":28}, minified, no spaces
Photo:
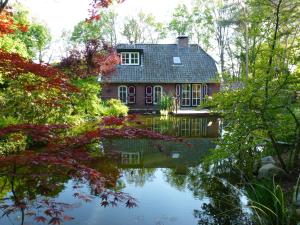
{"x":143,"y":29}
{"x":265,"y":111}
{"x":181,"y":22}
{"x":102,"y":29}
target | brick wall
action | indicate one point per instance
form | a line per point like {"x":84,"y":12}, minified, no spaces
{"x":111,"y":91}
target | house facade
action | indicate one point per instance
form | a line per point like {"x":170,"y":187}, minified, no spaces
{"x":149,"y":71}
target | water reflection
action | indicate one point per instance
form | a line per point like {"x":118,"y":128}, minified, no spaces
{"x":184,"y":126}
{"x":165,"y":178}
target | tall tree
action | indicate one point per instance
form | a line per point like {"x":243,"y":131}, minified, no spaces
{"x":143,"y":29}
{"x":102,"y":29}
{"x":181,"y":22}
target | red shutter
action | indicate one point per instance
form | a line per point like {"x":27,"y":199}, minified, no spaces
{"x":131,"y":94}
{"x":177,"y":90}
{"x":149,"y":94}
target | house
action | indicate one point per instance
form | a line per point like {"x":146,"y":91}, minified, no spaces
{"x":147,"y":71}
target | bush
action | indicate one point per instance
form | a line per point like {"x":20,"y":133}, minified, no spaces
{"x":13,"y":143}
{"x":114,"y":107}
{"x":166,"y":103}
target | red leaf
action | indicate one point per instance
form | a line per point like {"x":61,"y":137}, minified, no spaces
{"x":68,"y":218}
{"x":40,"y":219}
{"x":55,"y":221}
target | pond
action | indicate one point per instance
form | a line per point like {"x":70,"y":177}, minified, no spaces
{"x":159,"y":182}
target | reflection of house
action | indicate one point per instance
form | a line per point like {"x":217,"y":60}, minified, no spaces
{"x":136,"y":153}
{"x":131,"y":158}
{"x":182,"y":70}
{"x":184,"y":126}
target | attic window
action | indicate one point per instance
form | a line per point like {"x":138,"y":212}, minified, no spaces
{"x":176,"y":60}
{"x":130,"y":58}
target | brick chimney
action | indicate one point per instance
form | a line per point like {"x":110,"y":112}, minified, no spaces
{"x":183,"y":41}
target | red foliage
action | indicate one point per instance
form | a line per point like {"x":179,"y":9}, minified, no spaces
{"x":96,"y":5}
{"x":8,"y":25}
{"x":36,"y":132}
{"x":15,"y":65}
{"x":96,"y":58}
{"x":40,"y":219}
{"x":112,"y":120}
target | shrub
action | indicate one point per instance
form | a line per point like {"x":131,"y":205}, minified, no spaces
{"x":114,"y":107}
{"x":13,"y":143}
{"x":166,"y":103}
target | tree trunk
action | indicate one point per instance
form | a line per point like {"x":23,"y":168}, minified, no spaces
{"x":3,"y":5}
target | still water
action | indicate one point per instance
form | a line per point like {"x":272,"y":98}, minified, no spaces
{"x":165,"y":179}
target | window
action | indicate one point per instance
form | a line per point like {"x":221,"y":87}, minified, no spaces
{"x":122,"y":94}
{"x":196,"y":94}
{"x":157,"y":94}
{"x":130,"y":58}
{"x":131,"y":94}
{"x":186,"y":95}
{"x":176,"y":60}
{"x":149,"y":95}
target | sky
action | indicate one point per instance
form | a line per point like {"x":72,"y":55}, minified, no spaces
{"x":62,"y":15}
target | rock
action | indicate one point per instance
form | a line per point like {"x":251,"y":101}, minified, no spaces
{"x":269,"y":170}
{"x":267,"y":160}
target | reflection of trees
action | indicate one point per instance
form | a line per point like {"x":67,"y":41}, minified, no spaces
{"x":140,"y":176}
{"x":30,"y":183}
{"x":176,"y":178}
{"x":224,"y":206}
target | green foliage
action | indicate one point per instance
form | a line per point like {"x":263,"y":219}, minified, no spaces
{"x":13,"y":143}
{"x":166,"y":103}
{"x":10,"y":44}
{"x":181,"y":22}
{"x":114,"y":107}
{"x":35,"y":39}
{"x":86,"y":105}
{"x":269,"y":204}
{"x":103,"y":29}
{"x":261,"y":109}
{"x":143,"y":29}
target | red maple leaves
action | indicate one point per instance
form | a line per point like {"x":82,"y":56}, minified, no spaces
{"x":14,"y":65}
{"x":8,"y":24}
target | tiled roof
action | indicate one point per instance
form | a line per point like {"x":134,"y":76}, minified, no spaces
{"x":157,"y":65}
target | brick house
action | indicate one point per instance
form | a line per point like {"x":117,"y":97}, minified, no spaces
{"x":147,"y":71}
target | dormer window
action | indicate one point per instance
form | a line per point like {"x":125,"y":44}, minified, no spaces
{"x":130,"y":58}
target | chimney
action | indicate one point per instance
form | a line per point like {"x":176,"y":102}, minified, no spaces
{"x":183,"y":41}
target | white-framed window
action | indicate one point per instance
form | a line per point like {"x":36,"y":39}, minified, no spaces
{"x":157,"y":94}
{"x":130,"y":58}
{"x":186,"y":95}
{"x":196,"y":94}
{"x":122,"y":93}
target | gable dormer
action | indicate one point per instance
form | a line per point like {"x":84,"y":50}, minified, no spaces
{"x":130,"y":57}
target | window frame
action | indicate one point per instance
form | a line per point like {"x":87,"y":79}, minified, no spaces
{"x":188,"y":92}
{"x":196,"y":94}
{"x":130,"y":54}
{"x":155,"y":100}
{"x":126,"y":93}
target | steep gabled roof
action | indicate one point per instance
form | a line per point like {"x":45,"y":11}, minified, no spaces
{"x":157,"y":65}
